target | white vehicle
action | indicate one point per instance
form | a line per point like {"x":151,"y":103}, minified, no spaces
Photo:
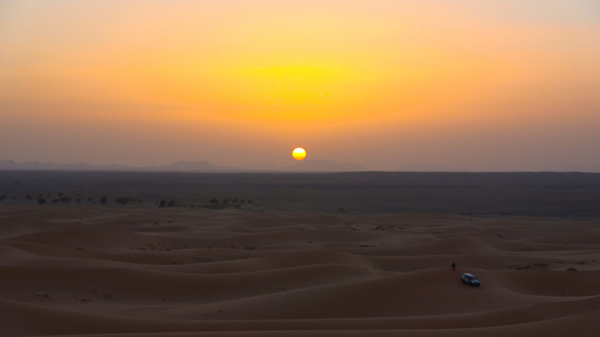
{"x":470,"y":280}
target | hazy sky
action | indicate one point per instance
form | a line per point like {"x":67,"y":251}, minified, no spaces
{"x":482,"y":85}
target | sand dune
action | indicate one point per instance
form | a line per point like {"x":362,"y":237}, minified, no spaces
{"x":109,"y":271}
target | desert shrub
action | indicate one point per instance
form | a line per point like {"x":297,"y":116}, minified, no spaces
{"x":104,"y":200}
{"x":214,"y":201}
{"x":226,"y":201}
{"x":123,"y":200}
{"x":28,"y":197}
{"x":60,"y":194}
{"x":55,"y":201}
{"x":65,"y":199}
{"x":2,"y":197}
{"x":41,"y":201}
{"x":172,"y":203}
{"x":162,"y":203}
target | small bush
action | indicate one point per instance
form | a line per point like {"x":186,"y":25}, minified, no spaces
{"x":123,"y":200}
{"x":214,"y":201}
{"x":172,"y":203}
{"x":28,"y":197}
{"x":104,"y":200}
{"x":65,"y":199}
{"x":162,"y":203}
{"x":41,"y":201}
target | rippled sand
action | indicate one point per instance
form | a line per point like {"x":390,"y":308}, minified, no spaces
{"x":116,"y":271}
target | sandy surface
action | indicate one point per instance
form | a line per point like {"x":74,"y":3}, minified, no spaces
{"x":118,"y":271}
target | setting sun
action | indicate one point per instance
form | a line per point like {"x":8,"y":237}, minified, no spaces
{"x":469,"y":85}
{"x":158,"y":132}
{"x":299,"y":153}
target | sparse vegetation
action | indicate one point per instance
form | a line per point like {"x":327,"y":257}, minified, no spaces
{"x":104,"y":200}
{"x":28,"y":197}
{"x":162,"y":203}
{"x":41,"y":201}
{"x":65,"y":199}
{"x":124,"y":200}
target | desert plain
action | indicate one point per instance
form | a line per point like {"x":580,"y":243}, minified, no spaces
{"x":360,"y":254}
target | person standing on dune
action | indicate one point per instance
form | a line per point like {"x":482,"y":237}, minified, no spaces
{"x":453,"y":266}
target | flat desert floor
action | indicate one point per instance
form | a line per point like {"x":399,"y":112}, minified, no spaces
{"x":135,"y":271}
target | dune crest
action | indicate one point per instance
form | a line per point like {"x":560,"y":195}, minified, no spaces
{"x":176,"y":272}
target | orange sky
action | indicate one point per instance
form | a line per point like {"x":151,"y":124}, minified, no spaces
{"x":495,"y":85}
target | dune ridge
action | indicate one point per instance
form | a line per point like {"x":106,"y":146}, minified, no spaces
{"x":76,"y":270}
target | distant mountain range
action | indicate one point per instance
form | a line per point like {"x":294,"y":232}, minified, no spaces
{"x":183,"y":166}
{"x":441,"y":168}
{"x":592,"y":169}
{"x":307,"y":165}
{"x":314,"y":165}
{"x":430,"y":168}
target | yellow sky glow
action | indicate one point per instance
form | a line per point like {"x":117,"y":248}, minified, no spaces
{"x":298,"y":69}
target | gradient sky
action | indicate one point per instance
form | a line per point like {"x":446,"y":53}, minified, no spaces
{"x":480,"y":85}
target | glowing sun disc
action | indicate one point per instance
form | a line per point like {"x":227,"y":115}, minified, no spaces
{"x":299,"y":153}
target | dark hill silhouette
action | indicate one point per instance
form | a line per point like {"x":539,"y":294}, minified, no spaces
{"x":314,"y":165}
{"x":181,"y":166}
